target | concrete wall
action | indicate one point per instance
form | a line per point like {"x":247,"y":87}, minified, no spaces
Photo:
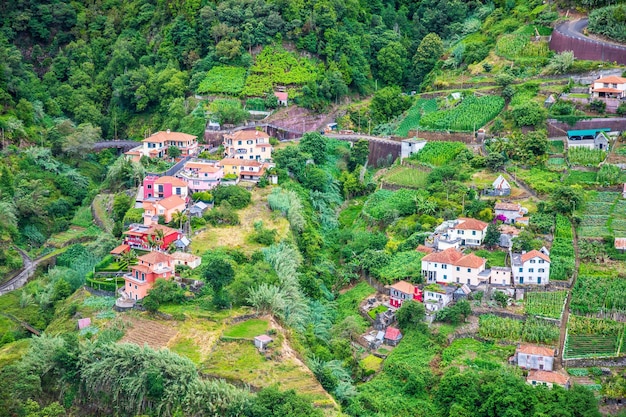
{"x":556,"y":128}
{"x":588,"y":48}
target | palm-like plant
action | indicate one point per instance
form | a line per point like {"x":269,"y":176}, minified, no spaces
{"x":127,"y":259}
{"x":179,"y":217}
{"x":159,"y":236}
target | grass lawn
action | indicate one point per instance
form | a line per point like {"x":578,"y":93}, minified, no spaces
{"x":494,"y":258}
{"x":406,"y":176}
{"x":476,"y":354}
{"x":236,"y":236}
{"x":556,"y":147}
{"x":247,"y":329}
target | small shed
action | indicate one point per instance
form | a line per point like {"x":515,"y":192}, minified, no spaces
{"x":624,"y":192}
{"x":119,"y":250}
{"x":182,"y":243}
{"x":392,"y":336}
{"x":213,"y":126}
{"x":261,"y":342}
{"x":620,"y":244}
{"x":500,"y":187}
{"x":601,"y":142}
{"x":82,"y":323}
{"x":198,"y":209}
{"x":461,"y":293}
{"x":282,"y":98}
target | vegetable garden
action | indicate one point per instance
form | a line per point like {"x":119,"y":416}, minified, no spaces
{"x":414,"y":114}
{"x":473,"y":113}
{"x":562,"y":252}
{"x":223,"y":80}
{"x":532,"y":331}
{"x":438,"y":153}
{"x":588,"y":337}
{"x":604,"y":213}
{"x":545,"y":304}
{"x":585,"y":156}
{"x":593,"y":294}
{"x":518,"y":45}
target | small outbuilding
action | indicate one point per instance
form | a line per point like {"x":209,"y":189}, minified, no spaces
{"x":620,"y":244}
{"x":282,"y":98}
{"x":83,"y":323}
{"x":392,"y":336}
{"x":261,"y":342}
{"x":500,"y":187}
{"x":119,"y":250}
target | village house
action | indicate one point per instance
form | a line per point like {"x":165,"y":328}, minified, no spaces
{"x":500,"y":187}
{"x":608,"y":87}
{"x":201,"y":175}
{"x":186,"y":259}
{"x":530,"y":268}
{"x":452,"y":266}
{"x":138,"y":236}
{"x":411,"y":146}
{"x":156,"y":145}
{"x":262,"y":341}
{"x":244,"y":169}
{"x":162,"y":187}
{"x":142,"y":276}
{"x":500,"y":275}
{"x":547,"y":378}
{"x":438,"y":296}
{"x":590,"y":139}
{"x":470,"y":231}
{"x":248,"y":144}
{"x":282,"y":97}
{"x":509,"y":211}
{"x":392,"y":336}
{"x":166,"y":207}
{"x":534,"y":357}
{"x":402,"y":291}
{"x":198,"y":209}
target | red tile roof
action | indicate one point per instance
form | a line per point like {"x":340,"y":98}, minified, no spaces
{"x":169,"y":136}
{"x":176,"y":182}
{"x":424,"y":249}
{"x":534,"y":254}
{"x":120,"y":249}
{"x":166,"y":230}
{"x":392,"y":333}
{"x":172,"y":202}
{"x":470,"y":261}
{"x":508,"y":206}
{"x":240,"y":162}
{"x":607,"y":90}
{"x":403,"y":286}
{"x":448,"y":256}
{"x":546,"y":376}
{"x":536,"y":350}
{"x":247,"y":135}
{"x":470,"y":224}
{"x":155,"y":257}
{"x":281,"y":96}
{"x":611,"y":79}
{"x":620,"y":243}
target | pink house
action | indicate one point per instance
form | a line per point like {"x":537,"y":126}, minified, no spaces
{"x":142,"y":276}
{"x":163,"y":187}
{"x":165,"y":207}
{"x":201,"y":175}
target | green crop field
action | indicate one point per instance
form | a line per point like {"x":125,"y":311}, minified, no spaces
{"x":604,"y":213}
{"x":588,"y":337}
{"x":593,"y":294}
{"x":406,"y":176}
{"x":438,"y":153}
{"x":223,"y":80}
{"x":545,"y":304}
{"x":518,"y":45}
{"x":585,"y":156}
{"x":472,"y":113}
{"x":412,"y":119}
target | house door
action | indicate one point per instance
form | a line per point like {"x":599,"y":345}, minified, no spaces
{"x":538,"y":280}
{"x":521,"y":280}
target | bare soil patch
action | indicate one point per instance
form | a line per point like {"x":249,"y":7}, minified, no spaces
{"x":154,"y":334}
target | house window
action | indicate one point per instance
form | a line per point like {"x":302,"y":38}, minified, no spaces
{"x":251,"y":157}
{"x":532,"y":261}
{"x":445,"y":277}
{"x":469,"y":269}
{"x":250,"y":169}
{"x":178,"y":191}
{"x":521,"y":280}
{"x":149,"y":186}
{"x":541,"y":270}
{"x":435,"y":265}
{"x":473,"y":232}
{"x":541,"y":261}
{"x":251,"y":150}
{"x":531,"y":269}
{"x":458,"y":268}
{"x":135,"y":287}
{"x":243,"y":168}
{"x":263,"y":149}
{"x":137,"y":274}
{"x":444,"y":266}
{"x":538,"y":280}
{"x":130,"y":285}
{"x":458,"y":280}
{"x":468,"y":281}
{"x":521,"y":270}
{"x":143,"y":277}
{"x":249,"y":142}
{"x":238,"y":142}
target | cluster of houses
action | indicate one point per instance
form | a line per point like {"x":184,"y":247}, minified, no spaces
{"x":247,"y":156}
{"x":539,"y":362}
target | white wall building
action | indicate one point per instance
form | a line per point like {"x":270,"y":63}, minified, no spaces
{"x":530,"y":268}
{"x":452,"y":266}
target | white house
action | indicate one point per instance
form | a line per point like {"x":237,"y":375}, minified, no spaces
{"x":511,"y":211}
{"x":452,"y":266}
{"x":411,"y":146}
{"x":437,"y":296}
{"x":470,"y":231}
{"x":186,"y":259}
{"x":500,"y":187}
{"x":547,"y":378}
{"x":535,"y":357}
{"x":609,"y":87}
{"x":530,"y":268}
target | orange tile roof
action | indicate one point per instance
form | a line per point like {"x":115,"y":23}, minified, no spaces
{"x":162,"y":136}
{"x":546,"y":376}
{"x":424,"y":249}
{"x":142,"y":268}
{"x":611,"y":79}
{"x":240,"y":162}
{"x":470,"y":261}
{"x":608,"y":90}
{"x":198,"y":165}
{"x":509,"y":230}
{"x":620,"y":243}
{"x":176,"y":182}
{"x":209,"y":169}
{"x":508,"y":206}
{"x":183,"y":256}
{"x":470,"y":224}
{"x":448,"y":256}
{"x":120,"y":249}
{"x":403,"y":286}
{"x":535,"y":350}
{"x":166,"y":230}
{"x":281,"y":96}
{"x":172,"y":202}
{"x":155,"y":257}
{"x":534,"y":254}
{"x":247,"y":135}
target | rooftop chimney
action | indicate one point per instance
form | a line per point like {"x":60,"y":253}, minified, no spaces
{"x":168,"y":131}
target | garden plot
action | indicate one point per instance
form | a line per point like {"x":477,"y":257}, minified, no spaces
{"x":598,"y":294}
{"x":545,"y":304}
{"x":154,"y":334}
{"x":604,"y":213}
{"x":587,"y":338}
{"x":406,"y":176}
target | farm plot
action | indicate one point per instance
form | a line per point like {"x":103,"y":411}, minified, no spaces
{"x":438,"y":153}
{"x":406,"y":176}
{"x":223,"y":80}
{"x":155,"y":334}
{"x":594,"y":226}
{"x":518,"y":45}
{"x":593,"y":294}
{"x":581,"y":177}
{"x":545,"y":304}
{"x":556,"y":164}
{"x":414,"y":115}
{"x":587,"y":338}
{"x":585,"y":156}
{"x":472,"y":113}
{"x":533,"y":330}
{"x":562,"y":251}
{"x":603,"y":212}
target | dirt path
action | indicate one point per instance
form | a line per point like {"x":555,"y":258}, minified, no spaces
{"x":521,"y":184}
{"x":565,"y":317}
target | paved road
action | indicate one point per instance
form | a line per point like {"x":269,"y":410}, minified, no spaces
{"x":21,"y":279}
{"x":355,"y":137}
{"x":574,"y":29}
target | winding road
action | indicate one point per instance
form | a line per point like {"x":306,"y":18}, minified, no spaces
{"x":28,"y":271}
